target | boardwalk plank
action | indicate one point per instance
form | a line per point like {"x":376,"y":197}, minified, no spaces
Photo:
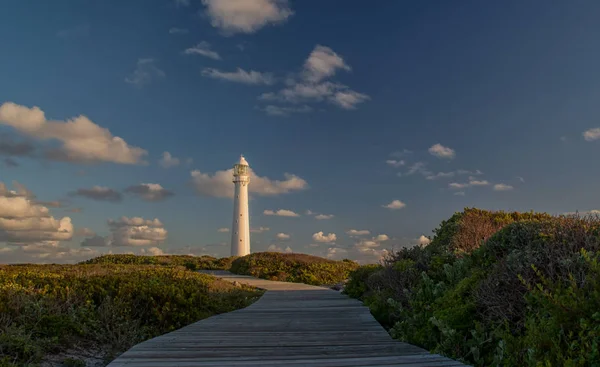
{"x":293,"y":324}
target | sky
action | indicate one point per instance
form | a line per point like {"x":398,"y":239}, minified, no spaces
{"x":365,"y":124}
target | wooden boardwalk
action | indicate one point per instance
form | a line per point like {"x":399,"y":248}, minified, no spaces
{"x":292,"y":324}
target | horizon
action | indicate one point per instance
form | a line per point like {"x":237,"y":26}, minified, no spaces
{"x":365,"y":126}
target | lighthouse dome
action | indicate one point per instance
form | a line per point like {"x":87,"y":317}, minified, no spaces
{"x":243,"y":161}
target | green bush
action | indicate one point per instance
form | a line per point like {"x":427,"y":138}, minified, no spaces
{"x":298,"y":268}
{"x":45,"y":309}
{"x":496,"y":289}
{"x":190,"y":262}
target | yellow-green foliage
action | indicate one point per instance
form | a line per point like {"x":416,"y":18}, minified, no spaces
{"x":497,"y":289}
{"x":48,"y":308}
{"x":190,"y":262}
{"x":298,"y":268}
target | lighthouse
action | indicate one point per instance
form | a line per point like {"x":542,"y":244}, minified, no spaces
{"x":240,"y":231}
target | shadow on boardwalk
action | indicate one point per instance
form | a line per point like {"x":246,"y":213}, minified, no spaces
{"x":292,"y":325}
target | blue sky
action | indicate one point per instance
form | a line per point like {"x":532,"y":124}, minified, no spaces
{"x":360,"y":104}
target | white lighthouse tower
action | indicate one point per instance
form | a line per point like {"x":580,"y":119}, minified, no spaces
{"x":240,"y":231}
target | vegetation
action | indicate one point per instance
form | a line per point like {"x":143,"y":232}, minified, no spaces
{"x":190,"y":262}
{"x":495,"y":289}
{"x":49,"y":309}
{"x":298,"y":268}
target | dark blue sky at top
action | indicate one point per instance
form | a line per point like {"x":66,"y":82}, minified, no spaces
{"x":510,"y":86}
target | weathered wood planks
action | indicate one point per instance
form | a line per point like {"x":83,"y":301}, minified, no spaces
{"x":295,"y":325}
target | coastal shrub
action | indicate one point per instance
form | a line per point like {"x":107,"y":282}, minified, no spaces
{"x":47,"y":309}
{"x":496,"y":289}
{"x":298,"y":268}
{"x":190,"y":262}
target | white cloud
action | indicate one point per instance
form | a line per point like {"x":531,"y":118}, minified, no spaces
{"x":348,"y":99}
{"x":223,"y":230}
{"x":283,"y":236}
{"x":99,"y":193}
{"x":176,"y":30}
{"x":395,"y":204}
{"x":358,"y":232}
{"x":281,"y":213}
{"x":423,"y":241}
{"x":440,"y":175}
{"x":521,"y":179}
{"x":81,"y":139}
{"x":478,"y":183}
{"x":149,"y":191}
{"x":220,"y":185}
{"x":336,"y":253}
{"x":324,"y":216}
{"x":242,"y":16}
{"x":135,"y":231}
{"x":381,"y":238}
{"x":592,"y":134}
{"x":259,"y":229}
{"x":275,"y":248}
{"x":273,"y":110}
{"x":441,"y":151}
{"x":322,"y":63}
{"x":152,"y":251}
{"x":502,"y":187}
{"x":145,"y":72}
{"x":168,"y":160}
{"x":240,"y":76}
{"x":459,"y":193}
{"x":418,"y":167}
{"x":24,"y":222}
{"x":395,"y":163}
{"x":335,"y":93}
{"x":320,"y":237}
{"x":456,"y":185}
{"x":203,"y":49}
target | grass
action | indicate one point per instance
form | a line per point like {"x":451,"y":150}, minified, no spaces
{"x":49,"y":309}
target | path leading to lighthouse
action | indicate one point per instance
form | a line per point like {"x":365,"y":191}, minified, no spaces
{"x":292,"y":324}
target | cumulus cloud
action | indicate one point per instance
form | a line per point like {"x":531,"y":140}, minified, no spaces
{"x":99,"y":193}
{"x":168,"y":161}
{"x":204,"y":49}
{"x":395,"y":204}
{"x":592,"y":134}
{"x":322,"y":63}
{"x":441,"y":151}
{"x":219,"y":184}
{"x":281,"y":213}
{"x":240,"y":76}
{"x":302,"y":92}
{"x":152,"y":251}
{"x":502,"y":187}
{"x":46,"y":252}
{"x":369,"y":250}
{"x":241,"y":16}
{"x":145,"y":73}
{"x":149,"y":191}
{"x":275,"y":248}
{"x":423,"y":241}
{"x":24,"y":222}
{"x":223,"y":230}
{"x":81,"y":140}
{"x":283,"y":236}
{"x":320,"y":237}
{"x":135,"y":231}
{"x":417,"y":167}
{"x":478,"y":183}
{"x":324,"y":216}
{"x":440,"y":175}
{"x":471,"y":183}
{"x":395,"y":163}
{"x":358,"y":232}
{"x":584,"y":213}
